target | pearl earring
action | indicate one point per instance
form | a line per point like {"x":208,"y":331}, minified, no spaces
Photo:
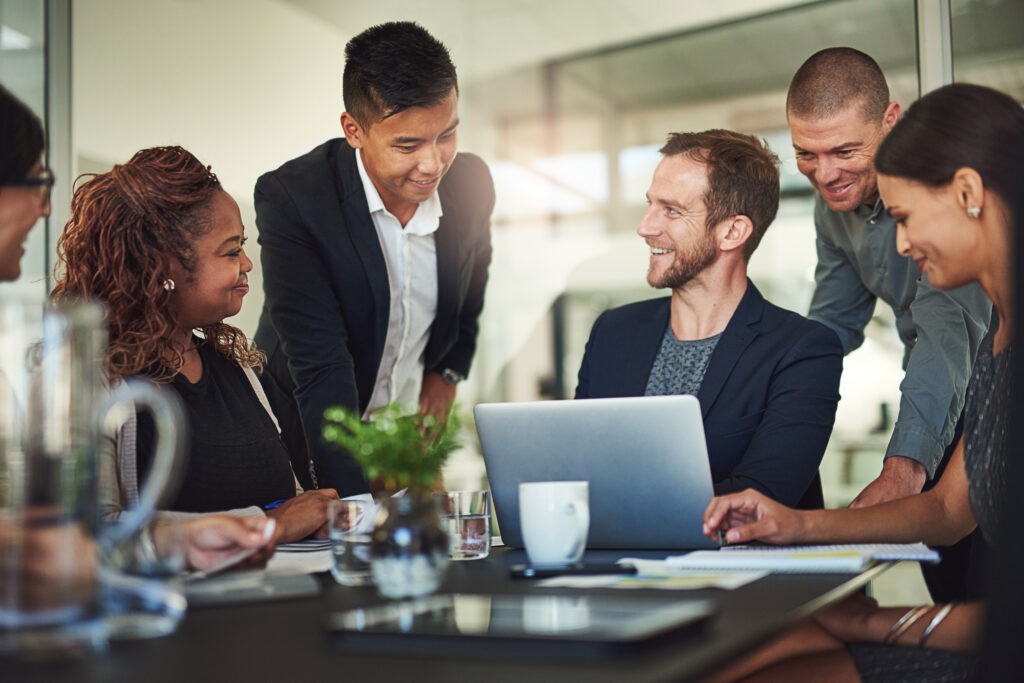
{"x":169,"y":285}
{"x":974,"y":211}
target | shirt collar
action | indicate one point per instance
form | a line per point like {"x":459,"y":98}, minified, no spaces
{"x":871,"y":213}
{"x":878,"y":209}
{"x":423,"y":222}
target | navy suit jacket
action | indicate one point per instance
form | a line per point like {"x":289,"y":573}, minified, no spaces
{"x":768,"y":397}
{"x":325,"y":316}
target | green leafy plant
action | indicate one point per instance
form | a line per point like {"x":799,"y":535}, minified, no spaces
{"x":406,"y":451}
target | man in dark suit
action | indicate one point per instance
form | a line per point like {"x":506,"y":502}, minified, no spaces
{"x":767,"y":379}
{"x":375,"y":251}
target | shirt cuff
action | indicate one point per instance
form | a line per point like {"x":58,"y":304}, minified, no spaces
{"x":917,"y":444}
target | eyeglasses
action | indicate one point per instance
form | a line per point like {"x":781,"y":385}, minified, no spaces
{"x":44,"y":182}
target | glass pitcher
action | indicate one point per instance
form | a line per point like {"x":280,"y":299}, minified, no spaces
{"x":55,"y":410}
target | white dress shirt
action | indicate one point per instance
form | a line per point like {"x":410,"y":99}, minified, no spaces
{"x":411,"y":258}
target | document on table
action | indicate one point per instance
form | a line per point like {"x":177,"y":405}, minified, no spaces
{"x":301,"y":557}
{"x":665,"y":580}
{"x":807,"y":558}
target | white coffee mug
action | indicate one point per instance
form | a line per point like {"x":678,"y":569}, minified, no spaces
{"x":555,"y":519}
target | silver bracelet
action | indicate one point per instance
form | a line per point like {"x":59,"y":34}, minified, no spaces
{"x":903,"y":625}
{"x":899,"y":623}
{"x":939,"y":618}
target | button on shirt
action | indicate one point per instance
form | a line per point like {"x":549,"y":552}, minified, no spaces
{"x":411,"y":258}
{"x":940,"y":330}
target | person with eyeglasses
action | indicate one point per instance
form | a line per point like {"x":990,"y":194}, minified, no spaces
{"x":25,"y":186}
{"x":24,"y":182}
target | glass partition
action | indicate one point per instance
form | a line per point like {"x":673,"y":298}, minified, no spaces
{"x":987,"y":44}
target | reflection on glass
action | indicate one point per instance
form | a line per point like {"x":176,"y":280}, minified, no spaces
{"x":567,"y":617}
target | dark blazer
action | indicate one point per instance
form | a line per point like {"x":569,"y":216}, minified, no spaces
{"x":768,"y":397}
{"x":325,"y":315}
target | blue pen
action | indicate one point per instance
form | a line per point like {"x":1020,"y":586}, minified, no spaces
{"x":276,"y":503}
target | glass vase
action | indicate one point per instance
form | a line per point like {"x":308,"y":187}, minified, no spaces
{"x":409,"y":552}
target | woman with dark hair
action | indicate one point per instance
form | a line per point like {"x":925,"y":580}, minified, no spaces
{"x":24,"y":183}
{"x":946,"y":173}
{"x":161,"y":242}
{"x":25,"y":198}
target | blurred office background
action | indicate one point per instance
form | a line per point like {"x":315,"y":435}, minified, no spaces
{"x":567,"y":100}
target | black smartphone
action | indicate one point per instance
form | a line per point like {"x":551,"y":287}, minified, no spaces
{"x":529,"y":571}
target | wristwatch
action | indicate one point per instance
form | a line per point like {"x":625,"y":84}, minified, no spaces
{"x":451,"y":376}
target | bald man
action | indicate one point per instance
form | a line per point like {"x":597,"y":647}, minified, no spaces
{"x":839,"y":111}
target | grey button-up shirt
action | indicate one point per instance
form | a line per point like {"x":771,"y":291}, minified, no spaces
{"x":940,"y":330}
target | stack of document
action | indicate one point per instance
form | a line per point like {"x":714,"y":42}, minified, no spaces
{"x":805,"y":558}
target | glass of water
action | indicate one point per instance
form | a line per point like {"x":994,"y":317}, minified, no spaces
{"x":350,"y":524}
{"x":466,"y":516}
{"x":143,"y":594}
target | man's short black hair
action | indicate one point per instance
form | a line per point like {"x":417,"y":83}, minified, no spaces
{"x":392,"y":67}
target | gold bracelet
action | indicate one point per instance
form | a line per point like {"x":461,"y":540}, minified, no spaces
{"x":900,"y":628}
{"x":939,"y":618}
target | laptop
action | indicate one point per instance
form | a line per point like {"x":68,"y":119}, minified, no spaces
{"x":645,"y":457}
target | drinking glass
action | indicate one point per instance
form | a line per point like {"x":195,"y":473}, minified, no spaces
{"x":54,"y":410}
{"x":350,"y":523}
{"x":143,"y":591}
{"x":466,"y":517}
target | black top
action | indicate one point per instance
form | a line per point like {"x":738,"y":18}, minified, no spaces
{"x":986,"y":426}
{"x":235,"y":456}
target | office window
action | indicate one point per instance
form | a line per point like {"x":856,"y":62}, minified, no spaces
{"x":987,"y":45}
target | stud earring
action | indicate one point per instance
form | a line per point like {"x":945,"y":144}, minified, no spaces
{"x":974,"y":211}
{"x":169,"y":285}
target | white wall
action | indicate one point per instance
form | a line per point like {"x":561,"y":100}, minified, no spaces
{"x":243,"y":84}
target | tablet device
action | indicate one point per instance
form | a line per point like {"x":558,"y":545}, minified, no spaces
{"x":541,"y":625}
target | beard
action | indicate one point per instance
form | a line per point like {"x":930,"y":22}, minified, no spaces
{"x":687,"y":265}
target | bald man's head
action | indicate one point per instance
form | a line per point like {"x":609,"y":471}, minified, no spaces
{"x":834,"y":79}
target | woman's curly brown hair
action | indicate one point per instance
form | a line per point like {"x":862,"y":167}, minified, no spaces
{"x":127,"y":227}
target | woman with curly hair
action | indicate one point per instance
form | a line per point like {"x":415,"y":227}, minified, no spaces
{"x":161,"y":242}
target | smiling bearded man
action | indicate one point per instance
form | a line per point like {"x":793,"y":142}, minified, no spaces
{"x":767,"y":379}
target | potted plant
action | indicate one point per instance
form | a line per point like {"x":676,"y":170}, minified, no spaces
{"x":409,"y":549}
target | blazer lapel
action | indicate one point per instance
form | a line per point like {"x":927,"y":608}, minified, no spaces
{"x":446,"y":243}
{"x":735,"y":339}
{"x":364,"y":237}
{"x":647,"y":336}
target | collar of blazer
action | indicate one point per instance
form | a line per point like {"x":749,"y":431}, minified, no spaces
{"x":356,"y":212}
{"x":742,"y":329}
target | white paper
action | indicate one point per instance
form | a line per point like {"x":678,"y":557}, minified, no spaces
{"x":300,"y":562}
{"x":661,"y":579}
{"x":806,"y":558}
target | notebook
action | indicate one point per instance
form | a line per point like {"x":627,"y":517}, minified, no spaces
{"x":805,"y":558}
{"x":645,"y":459}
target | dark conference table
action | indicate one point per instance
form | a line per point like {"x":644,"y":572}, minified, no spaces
{"x":286,"y":640}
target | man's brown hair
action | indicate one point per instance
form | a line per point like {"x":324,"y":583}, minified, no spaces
{"x":743,"y":177}
{"x":832,"y":80}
